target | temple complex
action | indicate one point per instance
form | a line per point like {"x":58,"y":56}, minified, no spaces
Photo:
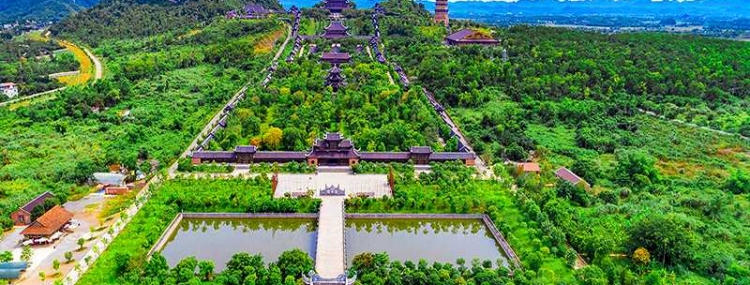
{"x":441,"y":12}
{"x":470,"y":36}
{"x":333,"y":150}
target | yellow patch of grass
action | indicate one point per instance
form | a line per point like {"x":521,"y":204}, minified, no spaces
{"x":85,"y":66}
{"x":190,"y":34}
{"x":265,"y":45}
{"x":679,"y":168}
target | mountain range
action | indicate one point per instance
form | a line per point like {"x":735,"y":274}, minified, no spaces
{"x":44,"y":10}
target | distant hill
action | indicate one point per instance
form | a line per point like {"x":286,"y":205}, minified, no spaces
{"x":123,"y":19}
{"x":44,"y":10}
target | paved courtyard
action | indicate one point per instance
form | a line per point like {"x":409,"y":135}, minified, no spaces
{"x":353,"y":184}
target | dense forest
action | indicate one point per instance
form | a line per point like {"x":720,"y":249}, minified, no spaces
{"x":162,"y":91}
{"x":298,"y":108}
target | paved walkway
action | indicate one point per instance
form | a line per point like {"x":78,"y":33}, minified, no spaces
{"x":329,"y":256}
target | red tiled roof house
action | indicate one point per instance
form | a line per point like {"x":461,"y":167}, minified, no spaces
{"x":49,"y":223}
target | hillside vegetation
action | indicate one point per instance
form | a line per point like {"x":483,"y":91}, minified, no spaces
{"x":159,"y":96}
{"x":668,"y":202}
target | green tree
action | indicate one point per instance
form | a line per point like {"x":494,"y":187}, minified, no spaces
{"x":6,"y":256}
{"x":80,"y":243}
{"x":667,"y":237}
{"x":206,"y":269}
{"x":68,"y":257}
{"x":294,"y":262}
{"x":26,"y":253}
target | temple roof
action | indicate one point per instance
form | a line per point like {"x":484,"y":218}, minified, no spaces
{"x":335,"y":56}
{"x":471,"y":36}
{"x":214,"y":154}
{"x":336,"y":26}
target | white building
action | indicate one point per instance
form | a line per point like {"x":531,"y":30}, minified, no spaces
{"x":9,"y":89}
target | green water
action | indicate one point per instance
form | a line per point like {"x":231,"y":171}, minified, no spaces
{"x":442,"y":241}
{"x":219,"y":239}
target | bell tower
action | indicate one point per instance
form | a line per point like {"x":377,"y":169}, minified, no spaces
{"x":441,"y":12}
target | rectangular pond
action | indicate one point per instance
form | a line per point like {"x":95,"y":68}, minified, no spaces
{"x":220,"y":238}
{"x":434,"y":240}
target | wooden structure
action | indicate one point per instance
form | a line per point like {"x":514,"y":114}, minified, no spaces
{"x":333,"y":150}
{"x":566,"y":175}
{"x":336,"y":57}
{"x":336,"y":6}
{"x":335,"y":30}
{"x":48,"y":224}
{"x":441,"y":12}
{"x":22,"y":216}
{"x":470,"y":37}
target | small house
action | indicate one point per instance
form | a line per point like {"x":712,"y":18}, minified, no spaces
{"x":22,"y":216}
{"x":566,"y":175}
{"x":9,"y":89}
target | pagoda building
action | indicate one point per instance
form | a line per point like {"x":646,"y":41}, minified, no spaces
{"x":334,"y":78}
{"x":441,"y":12}
{"x":335,"y":30}
{"x":336,"y":6}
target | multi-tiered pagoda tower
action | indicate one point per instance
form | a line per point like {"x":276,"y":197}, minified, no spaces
{"x":334,"y":78}
{"x":441,"y":12}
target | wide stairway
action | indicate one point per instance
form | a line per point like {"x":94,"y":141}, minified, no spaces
{"x":329,"y":257}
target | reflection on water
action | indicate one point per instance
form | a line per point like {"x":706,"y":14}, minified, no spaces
{"x":431,"y":240}
{"x":219,"y":239}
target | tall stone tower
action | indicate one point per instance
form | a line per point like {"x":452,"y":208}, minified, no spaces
{"x":441,"y":12}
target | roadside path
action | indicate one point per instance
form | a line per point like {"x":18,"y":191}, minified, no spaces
{"x":479,"y":163}
{"x":98,"y":67}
